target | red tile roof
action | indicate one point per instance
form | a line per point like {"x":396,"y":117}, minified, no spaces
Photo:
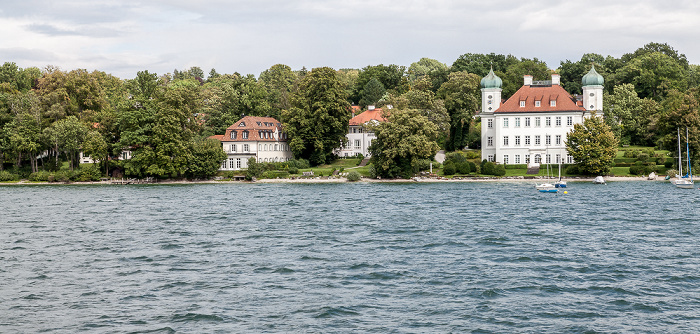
{"x":257,"y":128}
{"x":544,"y":94}
{"x":367,"y":116}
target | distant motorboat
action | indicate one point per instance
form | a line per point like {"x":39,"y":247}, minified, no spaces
{"x":599,"y":180}
{"x":546,"y":188}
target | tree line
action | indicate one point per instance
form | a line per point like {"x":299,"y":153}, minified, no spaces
{"x":48,"y":116}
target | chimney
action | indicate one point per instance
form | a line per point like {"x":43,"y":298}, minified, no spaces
{"x":370,"y":107}
{"x":555,"y":79}
{"x":527,"y":80}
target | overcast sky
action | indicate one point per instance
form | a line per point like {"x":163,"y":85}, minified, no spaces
{"x":122,"y":37}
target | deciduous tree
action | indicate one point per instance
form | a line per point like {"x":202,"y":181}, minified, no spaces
{"x":592,"y":145}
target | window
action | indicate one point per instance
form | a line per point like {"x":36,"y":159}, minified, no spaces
{"x":517,"y":122}
{"x":233,"y":134}
{"x":245,"y":134}
{"x":569,"y":120}
{"x":489,"y":141}
{"x":538,"y":103}
{"x":558,"y":157}
{"x":553,"y":103}
{"x":231,"y":162}
{"x":242,"y":124}
{"x":238,"y":163}
{"x":246,"y":148}
{"x":537,"y":140}
{"x":527,"y":121}
{"x":505,"y":122}
{"x":558,"y":139}
{"x":505,"y":159}
{"x":548,"y":121}
{"x":548,"y":140}
{"x":548,"y":158}
{"x":517,"y":158}
{"x":517,"y":140}
{"x":233,"y":148}
{"x":505,"y":141}
{"x":260,"y":134}
{"x":490,"y":123}
{"x":490,"y":158}
{"x":276,"y":147}
{"x":538,"y":159}
{"x":527,"y":140}
{"x":558,"y":120}
{"x":357,"y":143}
{"x":522,"y":104}
{"x":527,"y":158}
{"x":569,"y":159}
{"x":537,"y":122}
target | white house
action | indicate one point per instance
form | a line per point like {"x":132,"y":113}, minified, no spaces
{"x":359,"y":137}
{"x":261,"y":138}
{"x":531,"y":127}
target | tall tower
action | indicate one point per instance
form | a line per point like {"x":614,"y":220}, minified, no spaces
{"x":593,"y":91}
{"x":491,"y":92}
{"x":490,"y":101}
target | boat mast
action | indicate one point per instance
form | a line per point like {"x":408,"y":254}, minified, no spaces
{"x":680,"y":162}
{"x":687,"y":148}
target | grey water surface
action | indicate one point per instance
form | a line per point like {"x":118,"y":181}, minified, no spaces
{"x":350,"y":258}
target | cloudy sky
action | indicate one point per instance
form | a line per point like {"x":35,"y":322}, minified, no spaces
{"x":122,"y":37}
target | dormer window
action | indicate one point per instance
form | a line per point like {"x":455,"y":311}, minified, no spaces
{"x":538,"y":103}
{"x":522,"y":104}
{"x":245,"y":134}
{"x":553,"y":103}
{"x":242,"y":124}
{"x":233,"y":134}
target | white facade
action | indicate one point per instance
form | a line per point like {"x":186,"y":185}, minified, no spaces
{"x":261,"y":138}
{"x":359,"y":137}
{"x":532,"y":126}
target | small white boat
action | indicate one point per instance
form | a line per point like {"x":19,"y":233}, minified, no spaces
{"x":546,"y":188}
{"x":599,"y":180}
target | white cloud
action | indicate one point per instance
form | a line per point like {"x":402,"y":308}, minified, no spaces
{"x":248,"y":36}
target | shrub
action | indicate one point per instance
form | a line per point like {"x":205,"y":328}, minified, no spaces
{"x":422,"y":164}
{"x":63,"y":175}
{"x":354,"y":176}
{"x":473,"y":154}
{"x":643,"y":157}
{"x":293,"y":170}
{"x":487,"y":168}
{"x":87,"y":172}
{"x":463,"y":167}
{"x":40,"y":176}
{"x":8,"y":176}
{"x":372,"y":171}
{"x":449,"y":168}
{"x":499,"y":170}
{"x":455,"y":157}
{"x":572,"y":170}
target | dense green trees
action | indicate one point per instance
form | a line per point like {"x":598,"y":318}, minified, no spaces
{"x":318,"y":119}
{"x":402,"y":142}
{"x":592,"y":145}
{"x":48,"y":115}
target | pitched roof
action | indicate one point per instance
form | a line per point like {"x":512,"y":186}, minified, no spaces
{"x":368,"y":115}
{"x":542,"y":93}
{"x":257,"y":127}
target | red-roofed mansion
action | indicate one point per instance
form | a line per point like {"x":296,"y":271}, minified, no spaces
{"x":254,"y":137}
{"x":532,"y":125}
{"x":358,"y":137}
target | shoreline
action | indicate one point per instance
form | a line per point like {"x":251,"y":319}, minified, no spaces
{"x":344,"y":180}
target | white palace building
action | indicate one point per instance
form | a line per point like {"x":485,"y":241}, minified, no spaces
{"x":532,"y":125}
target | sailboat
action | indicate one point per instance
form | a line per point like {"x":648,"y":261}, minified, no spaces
{"x":560,"y":183}
{"x":683,"y":181}
{"x":546,"y":187}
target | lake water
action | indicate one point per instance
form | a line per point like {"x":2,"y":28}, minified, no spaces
{"x":341,"y":258}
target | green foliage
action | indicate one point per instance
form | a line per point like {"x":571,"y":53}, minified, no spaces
{"x":406,"y":138}
{"x":354,"y":176}
{"x":372,"y":92}
{"x":628,"y":116}
{"x":206,"y":157}
{"x":593,"y":146}
{"x":8,"y":176}
{"x":40,"y":176}
{"x":391,"y":77}
{"x":449,"y":168}
{"x":464,"y":168}
{"x":318,"y":120}
{"x":455,"y":157}
{"x":87,"y":172}
{"x":462,"y":96}
{"x":293,"y":170}
{"x":255,"y":169}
